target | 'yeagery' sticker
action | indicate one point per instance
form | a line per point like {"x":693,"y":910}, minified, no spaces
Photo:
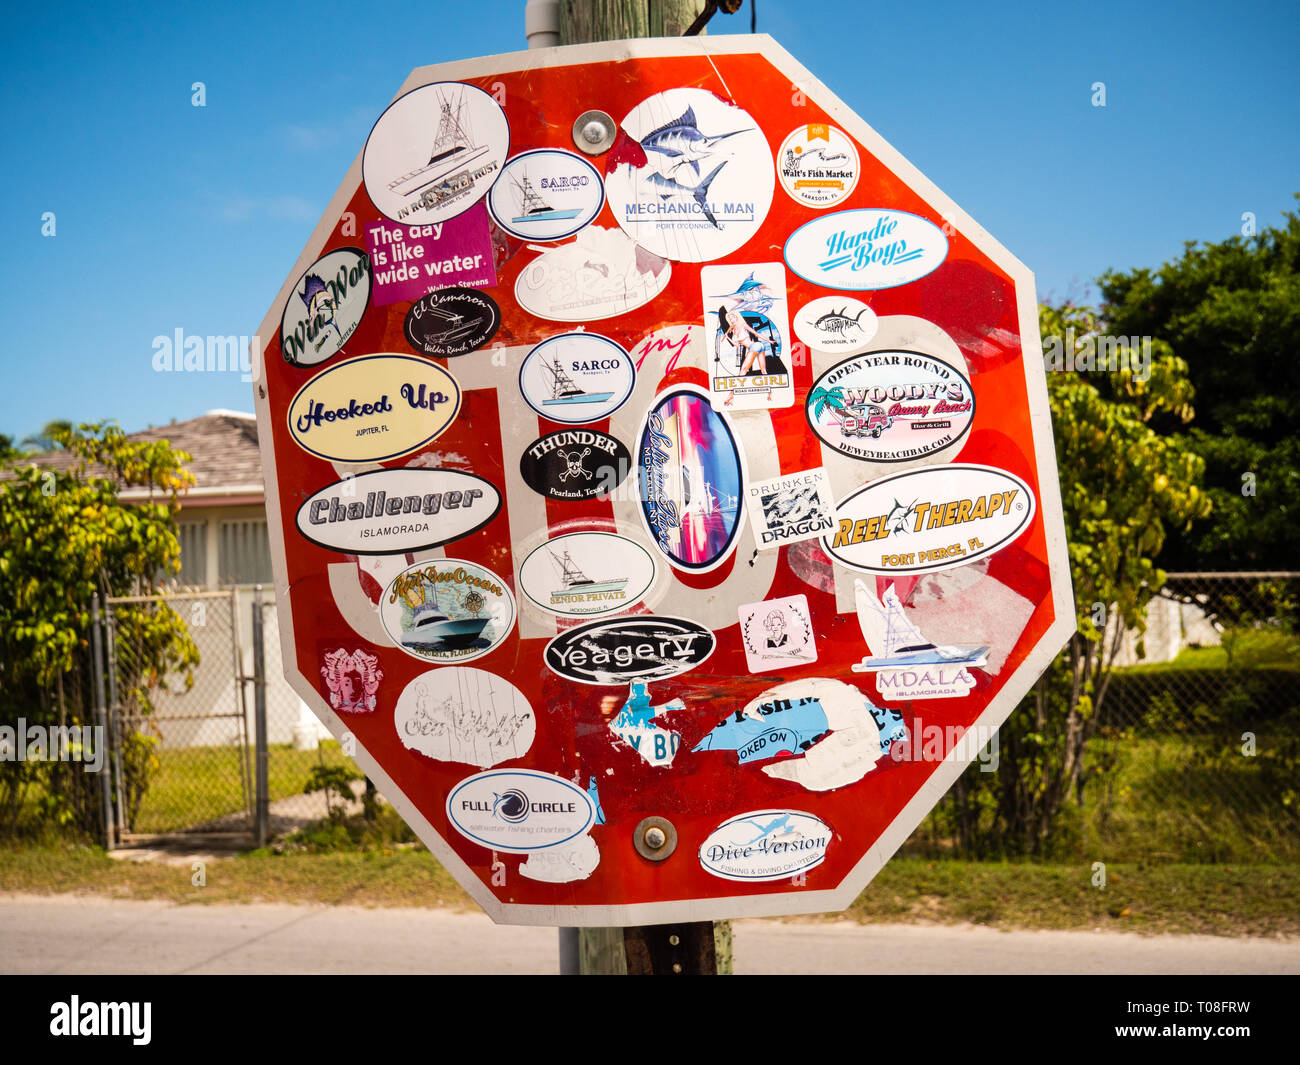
{"x":818,"y":165}
{"x":748,"y":328}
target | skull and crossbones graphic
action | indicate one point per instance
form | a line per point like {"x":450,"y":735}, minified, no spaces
{"x":574,"y":463}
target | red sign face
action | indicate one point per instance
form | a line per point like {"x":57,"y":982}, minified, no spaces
{"x":665,"y":504}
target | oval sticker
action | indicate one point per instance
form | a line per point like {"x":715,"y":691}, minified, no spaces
{"x":689,"y":474}
{"x":865,"y":249}
{"x":580,"y":574}
{"x":575,"y":464}
{"x":373,"y":408}
{"x":325,"y":307}
{"x":519,"y":810}
{"x":891,"y":406}
{"x":577,"y":377}
{"x":546,"y":194}
{"x":387,"y":512}
{"x":618,"y":651}
{"x":766,"y":845}
{"x":601,"y":273}
{"x":463,"y":714}
{"x":447,"y":610}
{"x":838,"y":324}
{"x":930,"y":519}
{"x":451,"y":321}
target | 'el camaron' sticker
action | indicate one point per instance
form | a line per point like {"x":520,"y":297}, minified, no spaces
{"x":575,"y":464}
{"x":325,"y":307}
{"x":615,"y":651}
{"x":766,"y":845}
{"x":546,"y":194}
{"x":435,"y":152}
{"x":929,"y":519}
{"x":891,"y":406}
{"x":387,"y":512}
{"x":585,"y":573}
{"x":519,"y":810}
{"x":577,"y":377}
{"x":451,"y":321}
{"x":818,"y":165}
{"x":447,"y":610}
{"x":373,"y":408}
{"x":865,"y":249}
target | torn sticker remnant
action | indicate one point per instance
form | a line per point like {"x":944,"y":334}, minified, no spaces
{"x":634,"y":725}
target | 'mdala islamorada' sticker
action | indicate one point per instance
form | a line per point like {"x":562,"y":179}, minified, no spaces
{"x":865,"y":249}
{"x":746,"y":319}
{"x":575,"y":464}
{"x":766,"y":845}
{"x":373,"y":407}
{"x":546,"y":194}
{"x":386,"y":512}
{"x":601,"y":273}
{"x":577,"y":377}
{"x":519,"y":810}
{"x":462,"y":714}
{"x":695,"y":180}
{"x":447,"y":611}
{"x":689,"y":467}
{"x":790,"y":508}
{"x":435,"y":152}
{"x":818,"y":165}
{"x":643,"y":647}
{"x":587,"y":573}
{"x":325,"y":307}
{"x":451,"y":321}
{"x":840,"y":325}
{"x":929,"y":519}
{"x":891,"y":406}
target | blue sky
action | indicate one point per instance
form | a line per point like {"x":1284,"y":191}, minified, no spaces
{"x":172,"y":216}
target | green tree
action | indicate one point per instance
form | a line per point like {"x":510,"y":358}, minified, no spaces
{"x":50,"y":438}
{"x":68,"y":538}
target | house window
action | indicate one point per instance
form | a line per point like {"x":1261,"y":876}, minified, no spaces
{"x":193,"y":538}
{"x":244,"y":553}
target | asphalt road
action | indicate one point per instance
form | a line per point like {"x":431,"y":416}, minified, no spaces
{"x":67,"y":935}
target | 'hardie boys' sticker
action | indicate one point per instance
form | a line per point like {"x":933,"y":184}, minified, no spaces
{"x":577,"y":377}
{"x":447,"y":610}
{"x":373,"y":408}
{"x":546,"y":194}
{"x":746,"y":320}
{"x":790,"y":508}
{"x":689,"y":467}
{"x":601,"y":273}
{"x":891,"y":406}
{"x":929,"y":519}
{"x":838,"y":324}
{"x":462,"y":714}
{"x":643,"y":647}
{"x":435,"y":152}
{"x":586,"y":573}
{"x":766,"y":845}
{"x":575,"y":464}
{"x":519,"y":810}
{"x":386,"y":512}
{"x":694,"y":181}
{"x":325,"y":307}
{"x":451,"y":321}
{"x":865,"y":249}
{"x":818,"y":165}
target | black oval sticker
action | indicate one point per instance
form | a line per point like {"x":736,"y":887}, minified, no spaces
{"x":575,"y":464}
{"x":452,"y":321}
{"x":622,"y":650}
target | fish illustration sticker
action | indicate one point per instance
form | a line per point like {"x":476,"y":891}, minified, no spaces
{"x":693,"y":178}
{"x":546,"y":194}
{"x":325,"y":307}
{"x":818,"y":165}
{"x":435,"y":152}
{"x":447,"y":611}
{"x":766,"y":845}
{"x":587,"y":573}
{"x":840,"y":325}
{"x":577,"y":378}
{"x":746,"y":320}
{"x":601,"y":273}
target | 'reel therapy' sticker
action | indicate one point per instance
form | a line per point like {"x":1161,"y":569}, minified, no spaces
{"x":451,"y":321}
{"x":818,"y":165}
{"x":577,"y":377}
{"x":325,"y":307}
{"x":447,"y":610}
{"x":546,"y":194}
{"x":746,"y":321}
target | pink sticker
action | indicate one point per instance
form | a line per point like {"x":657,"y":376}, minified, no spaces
{"x":408,"y":262}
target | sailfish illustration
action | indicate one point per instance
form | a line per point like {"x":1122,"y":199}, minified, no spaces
{"x":668,"y":187}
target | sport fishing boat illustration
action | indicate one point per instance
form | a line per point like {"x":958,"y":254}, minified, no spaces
{"x":565,"y":390}
{"x":453,"y":148}
{"x":432,"y":626}
{"x":455,"y":326}
{"x":574,"y":582}
{"x":533,"y":208}
{"x":885,"y":627}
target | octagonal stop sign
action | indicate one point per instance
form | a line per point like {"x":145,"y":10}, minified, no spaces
{"x":661,"y":482}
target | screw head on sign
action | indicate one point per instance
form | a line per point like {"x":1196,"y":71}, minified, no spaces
{"x":655,"y":838}
{"x":594,"y":131}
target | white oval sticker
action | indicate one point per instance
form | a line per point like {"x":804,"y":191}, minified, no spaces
{"x":766,"y":845}
{"x":387,"y":512}
{"x":838,"y":324}
{"x":519,"y":810}
{"x":865,"y":249}
{"x":462,"y":714}
{"x":447,"y":610}
{"x":373,"y":408}
{"x":587,"y":573}
{"x":577,"y":378}
{"x":546,"y":194}
{"x":930,"y":519}
{"x":601,"y":273}
{"x":325,"y":307}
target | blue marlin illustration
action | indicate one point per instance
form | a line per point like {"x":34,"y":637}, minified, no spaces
{"x":669,"y":187}
{"x":681,"y":141}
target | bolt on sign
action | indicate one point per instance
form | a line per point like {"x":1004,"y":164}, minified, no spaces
{"x":660,"y":492}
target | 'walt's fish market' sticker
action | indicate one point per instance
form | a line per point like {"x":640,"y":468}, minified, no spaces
{"x":577,"y":377}
{"x":447,"y":610}
{"x":586,"y":573}
{"x":929,"y":519}
{"x":865,"y":249}
{"x":325,"y":306}
{"x":373,"y":407}
{"x":766,"y":845}
{"x":387,"y":512}
{"x":451,"y":321}
{"x":546,"y":194}
{"x":891,"y":406}
{"x":519,"y":810}
{"x":818,"y":165}
{"x":746,"y":318}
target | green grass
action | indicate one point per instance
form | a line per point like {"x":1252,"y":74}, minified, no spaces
{"x":1188,"y":658}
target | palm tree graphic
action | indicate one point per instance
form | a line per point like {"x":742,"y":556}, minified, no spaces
{"x":834,"y":398}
